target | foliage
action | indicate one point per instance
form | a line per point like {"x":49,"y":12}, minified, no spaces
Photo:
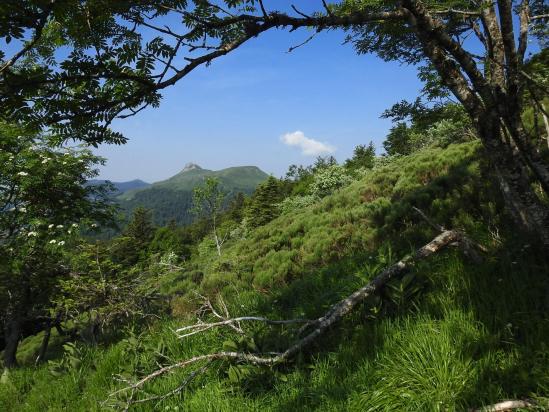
{"x":132,"y":246}
{"x":208,"y":201}
{"x":100,"y":294}
{"x":363,"y":158}
{"x":262,"y":206}
{"x":443,"y":338}
{"x":328,"y":180}
{"x":296,"y":203}
{"x":416,"y":126}
{"x":43,"y":203}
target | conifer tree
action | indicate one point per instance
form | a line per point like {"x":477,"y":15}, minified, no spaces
{"x":263,"y":203}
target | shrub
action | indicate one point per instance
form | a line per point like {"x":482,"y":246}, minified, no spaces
{"x":328,"y":180}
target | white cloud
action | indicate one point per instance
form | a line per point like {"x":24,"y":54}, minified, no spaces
{"x":308,"y":146}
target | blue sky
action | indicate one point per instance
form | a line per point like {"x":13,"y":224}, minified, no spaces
{"x":236,"y":111}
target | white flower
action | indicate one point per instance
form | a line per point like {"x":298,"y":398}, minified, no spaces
{"x":59,"y":226}
{"x":50,"y":226}
{"x":32,"y":234}
{"x":23,"y":209}
{"x":46,"y":160}
{"x":94,"y":225}
{"x":53,"y":241}
{"x":61,"y":243}
{"x":69,"y":231}
{"x":64,"y":163}
{"x":22,"y":174}
{"x":74,"y":225}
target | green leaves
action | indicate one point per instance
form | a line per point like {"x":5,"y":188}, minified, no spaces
{"x":70,"y":362}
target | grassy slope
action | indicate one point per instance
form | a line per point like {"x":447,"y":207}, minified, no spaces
{"x":459,"y":335}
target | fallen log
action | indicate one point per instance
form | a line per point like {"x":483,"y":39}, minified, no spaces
{"x":505,"y":406}
{"x":313,"y":329}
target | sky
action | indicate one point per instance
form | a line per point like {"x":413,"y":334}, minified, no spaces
{"x":263,"y":106}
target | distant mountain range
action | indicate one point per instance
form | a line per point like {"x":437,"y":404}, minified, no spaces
{"x":122,"y":187}
{"x":171,"y":199}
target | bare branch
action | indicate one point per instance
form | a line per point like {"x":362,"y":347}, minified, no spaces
{"x":300,"y":13}
{"x":311,"y":37}
{"x":455,"y":11}
{"x":505,"y":406}
{"x":263,"y":8}
{"x":201,"y":327}
{"x":428,"y":220}
{"x":327,"y":8}
{"x":319,"y":327}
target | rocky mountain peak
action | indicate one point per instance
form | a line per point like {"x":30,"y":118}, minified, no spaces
{"x":191,"y":166}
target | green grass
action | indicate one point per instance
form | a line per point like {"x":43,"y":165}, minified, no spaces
{"x":458,"y":335}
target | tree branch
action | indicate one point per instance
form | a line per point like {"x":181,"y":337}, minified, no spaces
{"x":524,"y":18}
{"x":319,"y":327}
{"x":35,"y":38}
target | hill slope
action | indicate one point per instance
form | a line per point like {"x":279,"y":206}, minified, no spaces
{"x":172,"y":198}
{"x":451,"y":336}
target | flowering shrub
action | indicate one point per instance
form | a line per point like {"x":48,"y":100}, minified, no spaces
{"x":327,"y":180}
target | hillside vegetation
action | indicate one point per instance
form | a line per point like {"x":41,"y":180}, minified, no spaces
{"x":450,"y":335}
{"x":171,"y":199}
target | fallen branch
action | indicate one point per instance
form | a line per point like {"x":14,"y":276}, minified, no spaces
{"x":505,"y":406}
{"x":201,"y":326}
{"x":319,"y":326}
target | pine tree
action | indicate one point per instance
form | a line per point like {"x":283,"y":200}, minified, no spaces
{"x":133,"y":245}
{"x":263,"y":203}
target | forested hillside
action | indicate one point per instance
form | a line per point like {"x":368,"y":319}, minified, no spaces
{"x":171,"y":199}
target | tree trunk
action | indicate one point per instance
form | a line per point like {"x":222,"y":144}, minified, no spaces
{"x":545,"y":122}
{"x":531,"y":156}
{"x":12,"y":336}
{"x":44,"y":346}
{"x":513,"y":174}
{"x":217,"y":243}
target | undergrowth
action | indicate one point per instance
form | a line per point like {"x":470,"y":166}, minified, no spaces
{"x":451,"y":335}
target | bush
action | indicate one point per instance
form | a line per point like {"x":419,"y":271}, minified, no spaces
{"x":296,"y":203}
{"x":328,"y":180}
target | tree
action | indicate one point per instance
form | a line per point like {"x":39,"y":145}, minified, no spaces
{"x":110,"y":71}
{"x":418,"y":125}
{"x":132,"y":246}
{"x":43,"y":202}
{"x":101,"y":293}
{"x":398,"y":139}
{"x":208,"y":201}
{"x":363,"y":158}
{"x":263,"y":205}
